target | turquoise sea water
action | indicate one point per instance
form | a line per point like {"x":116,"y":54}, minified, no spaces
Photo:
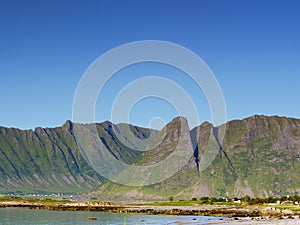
{"x":21,"y":216}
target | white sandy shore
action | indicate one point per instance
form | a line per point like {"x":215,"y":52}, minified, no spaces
{"x":249,"y":221}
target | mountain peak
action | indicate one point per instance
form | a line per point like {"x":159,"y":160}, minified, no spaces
{"x":67,"y":126}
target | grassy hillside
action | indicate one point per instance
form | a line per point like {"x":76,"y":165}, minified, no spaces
{"x":259,"y":156}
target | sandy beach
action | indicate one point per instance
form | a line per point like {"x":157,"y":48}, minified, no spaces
{"x":249,"y":221}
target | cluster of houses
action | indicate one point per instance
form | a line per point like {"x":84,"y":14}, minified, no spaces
{"x":40,"y":195}
{"x":287,"y":202}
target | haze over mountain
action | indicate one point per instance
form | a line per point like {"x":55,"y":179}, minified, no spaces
{"x":258,"y":156}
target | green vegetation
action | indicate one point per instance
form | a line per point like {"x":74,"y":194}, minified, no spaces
{"x":294,"y":208}
{"x":194,"y":201}
{"x":45,"y":160}
{"x":281,"y":203}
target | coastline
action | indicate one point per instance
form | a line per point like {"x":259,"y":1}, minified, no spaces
{"x":249,"y":221}
{"x":234,"y":214}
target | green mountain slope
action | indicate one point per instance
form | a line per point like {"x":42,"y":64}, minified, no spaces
{"x":259,"y":156}
{"x":49,"y":160}
{"x":43,"y":160}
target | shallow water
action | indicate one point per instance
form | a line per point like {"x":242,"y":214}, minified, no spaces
{"x":22,"y":216}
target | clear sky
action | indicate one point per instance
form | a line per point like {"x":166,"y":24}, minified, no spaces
{"x":253,"y":48}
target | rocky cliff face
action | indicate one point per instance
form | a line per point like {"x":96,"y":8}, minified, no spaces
{"x":258,"y":156}
{"x":265,"y":152}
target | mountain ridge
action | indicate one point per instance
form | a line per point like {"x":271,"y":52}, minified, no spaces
{"x":259,"y":156}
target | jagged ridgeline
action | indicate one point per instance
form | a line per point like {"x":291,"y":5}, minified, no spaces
{"x":258,"y":156}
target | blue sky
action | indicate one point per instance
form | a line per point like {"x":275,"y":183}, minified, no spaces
{"x":252,"y":47}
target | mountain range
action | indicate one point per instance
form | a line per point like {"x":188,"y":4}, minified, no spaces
{"x":258,"y":156}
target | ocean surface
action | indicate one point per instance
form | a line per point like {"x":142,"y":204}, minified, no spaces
{"x":23,"y":216}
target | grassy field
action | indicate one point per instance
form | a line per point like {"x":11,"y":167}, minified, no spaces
{"x":294,"y":208}
{"x":192,"y":203}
